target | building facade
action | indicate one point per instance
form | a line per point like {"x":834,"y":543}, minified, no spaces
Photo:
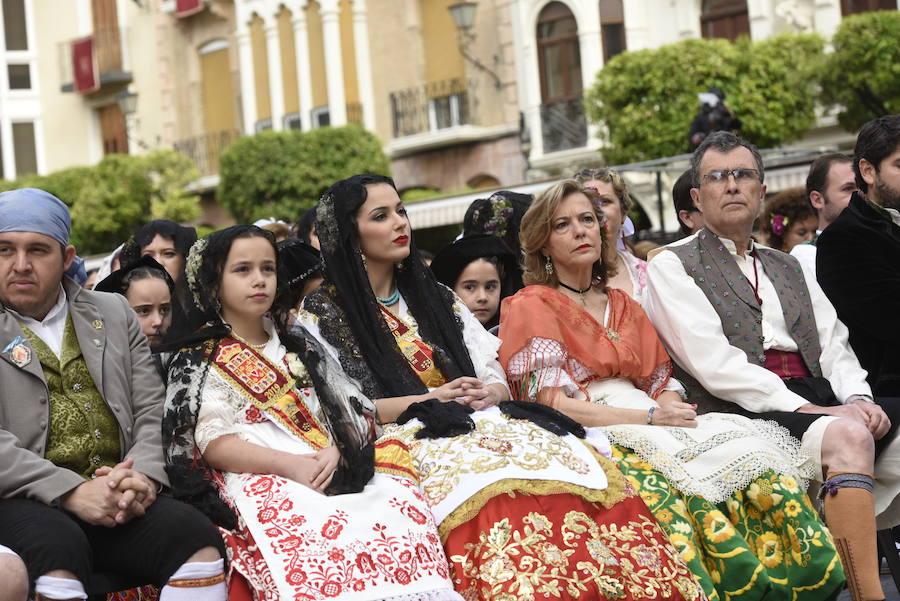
{"x":487,"y":101}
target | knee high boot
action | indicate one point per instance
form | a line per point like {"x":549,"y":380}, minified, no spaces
{"x":850,"y":515}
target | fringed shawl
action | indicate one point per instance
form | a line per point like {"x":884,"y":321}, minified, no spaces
{"x":539,"y":322}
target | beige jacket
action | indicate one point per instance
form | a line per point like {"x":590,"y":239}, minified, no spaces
{"x":118,"y":358}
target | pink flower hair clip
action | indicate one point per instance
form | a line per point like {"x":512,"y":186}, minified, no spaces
{"x":779,"y":224}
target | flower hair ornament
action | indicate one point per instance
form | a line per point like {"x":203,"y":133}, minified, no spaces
{"x":501,"y":212}
{"x":192,"y":273}
{"x":779,"y":224}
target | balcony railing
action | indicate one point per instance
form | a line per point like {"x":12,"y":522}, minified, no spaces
{"x":431,"y":107}
{"x":91,"y":63}
{"x":563,"y":125}
{"x":206,"y":150}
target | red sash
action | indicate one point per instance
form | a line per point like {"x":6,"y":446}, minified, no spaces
{"x":268,"y":388}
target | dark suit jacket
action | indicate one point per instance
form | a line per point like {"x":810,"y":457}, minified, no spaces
{"x":118,"y":359}
{"x":858,"y":266}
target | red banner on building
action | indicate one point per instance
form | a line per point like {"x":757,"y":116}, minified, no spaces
{"x":186,"y":8}
{"x":84,"y":66}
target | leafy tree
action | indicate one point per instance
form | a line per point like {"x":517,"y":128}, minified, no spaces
{"x":645,"y":100}
{"x":281,"y":174}
{"x":862,"y":75}
{"x":110,"y":200}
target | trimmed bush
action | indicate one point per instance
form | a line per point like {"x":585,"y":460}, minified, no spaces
{"x":281,"y":174}
{"x":647,"y":99}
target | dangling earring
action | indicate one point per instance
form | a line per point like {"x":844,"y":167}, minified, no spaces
{"x":548,"y":266}
{"x":362,"y":258}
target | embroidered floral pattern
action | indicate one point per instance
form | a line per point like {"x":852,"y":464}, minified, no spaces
{"x":539,"y":559}
{"x":766,"y":536}
{"x":492,"y":446}
{"x":319,"y":561}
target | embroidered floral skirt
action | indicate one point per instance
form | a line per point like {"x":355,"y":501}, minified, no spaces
{"x":764,"y":542}
{"x":143,"y":593}
{"x":520,"y":547}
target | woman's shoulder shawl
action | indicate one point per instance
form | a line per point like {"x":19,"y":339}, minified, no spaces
{"x":191,"y":479}
{"x":334,"y":329}
{"x":627,"y":346}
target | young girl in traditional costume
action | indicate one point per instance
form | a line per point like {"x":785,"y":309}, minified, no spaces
{"x":526,"y":509}
{"x":259,"y":428}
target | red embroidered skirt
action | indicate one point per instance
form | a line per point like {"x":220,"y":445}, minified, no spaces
{"x":560,"y":546}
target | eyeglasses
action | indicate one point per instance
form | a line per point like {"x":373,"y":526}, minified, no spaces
{"x":741,"y":176}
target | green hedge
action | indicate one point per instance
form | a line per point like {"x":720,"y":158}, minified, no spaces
{"x":281,"y":174}
{"x":862,"y":76}
{"x":110,"y":200}
{"x":646,"y":99}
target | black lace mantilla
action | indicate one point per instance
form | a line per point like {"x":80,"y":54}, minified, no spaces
{"x":335,"y":329}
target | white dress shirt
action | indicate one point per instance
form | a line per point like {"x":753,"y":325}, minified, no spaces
{"x":806,"y":254}
{"x":53,"y":326}
{"x":692,"y":332}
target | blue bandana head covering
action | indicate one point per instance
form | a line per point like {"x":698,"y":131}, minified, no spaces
{"x":36,"y":211}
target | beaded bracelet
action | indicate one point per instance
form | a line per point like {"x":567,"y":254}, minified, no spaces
{"x":650,"y":415}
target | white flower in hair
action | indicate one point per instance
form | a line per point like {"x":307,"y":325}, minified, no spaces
{"x":192,"y":271}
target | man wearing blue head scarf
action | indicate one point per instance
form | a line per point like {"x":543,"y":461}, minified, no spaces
{"x":81,"y":458}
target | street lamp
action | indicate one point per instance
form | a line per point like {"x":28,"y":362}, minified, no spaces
{"x":127,"y":101}
{"x":463,"y":14}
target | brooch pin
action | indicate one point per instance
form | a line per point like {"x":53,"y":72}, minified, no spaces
{"x":19,"y":353}
{"x":98,"y":325}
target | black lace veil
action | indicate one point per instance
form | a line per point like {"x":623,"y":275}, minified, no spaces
{"x":386,"y":372}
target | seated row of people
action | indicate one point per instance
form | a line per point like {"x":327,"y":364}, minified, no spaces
{"x":564,"y":460}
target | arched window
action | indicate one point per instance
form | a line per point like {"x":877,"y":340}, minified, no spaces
{"x":558,"y":54}
{"x":559,"y":60}
{"x":483,"y":181}
{"x":724,"y":19}
{"x":849,"y":7}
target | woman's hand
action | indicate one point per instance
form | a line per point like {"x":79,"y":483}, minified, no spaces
{"x":328,"y":459}
{"x":675,"y":413}
{"x":461,"y":390}
{"x":493,"y":394}
{"x":306,"y":469}
{"x":667,"y":397}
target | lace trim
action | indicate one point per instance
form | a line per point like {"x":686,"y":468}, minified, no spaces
{"x":436,"y":595}
{"x":729,"y":478}
{"x":333,"y":326}
{"x":219,"y":406}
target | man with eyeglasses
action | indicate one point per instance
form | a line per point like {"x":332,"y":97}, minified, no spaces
{"x":752,"y":334}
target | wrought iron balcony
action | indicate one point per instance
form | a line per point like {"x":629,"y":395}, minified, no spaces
{"x":205,"y":150}
{"x":432,"y":107}
{"x":93,"y":63}
{"x":563,"y":125}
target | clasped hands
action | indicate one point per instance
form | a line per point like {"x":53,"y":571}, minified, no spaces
{"x":314,"y":470}
{"x":468,"y":391}
{"x":114,"y":496}
{"x":862,"y":410}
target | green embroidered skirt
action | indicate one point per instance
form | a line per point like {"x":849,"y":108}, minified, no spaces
{"x":765,"y":542}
